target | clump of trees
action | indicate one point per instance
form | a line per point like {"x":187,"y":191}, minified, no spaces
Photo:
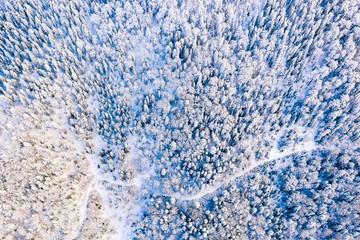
{"x":173,"y":99}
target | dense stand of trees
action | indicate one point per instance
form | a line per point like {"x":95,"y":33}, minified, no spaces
{"x":182,"y":95}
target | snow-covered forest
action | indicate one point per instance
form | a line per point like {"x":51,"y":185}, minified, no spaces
{"x":174,"y":119}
